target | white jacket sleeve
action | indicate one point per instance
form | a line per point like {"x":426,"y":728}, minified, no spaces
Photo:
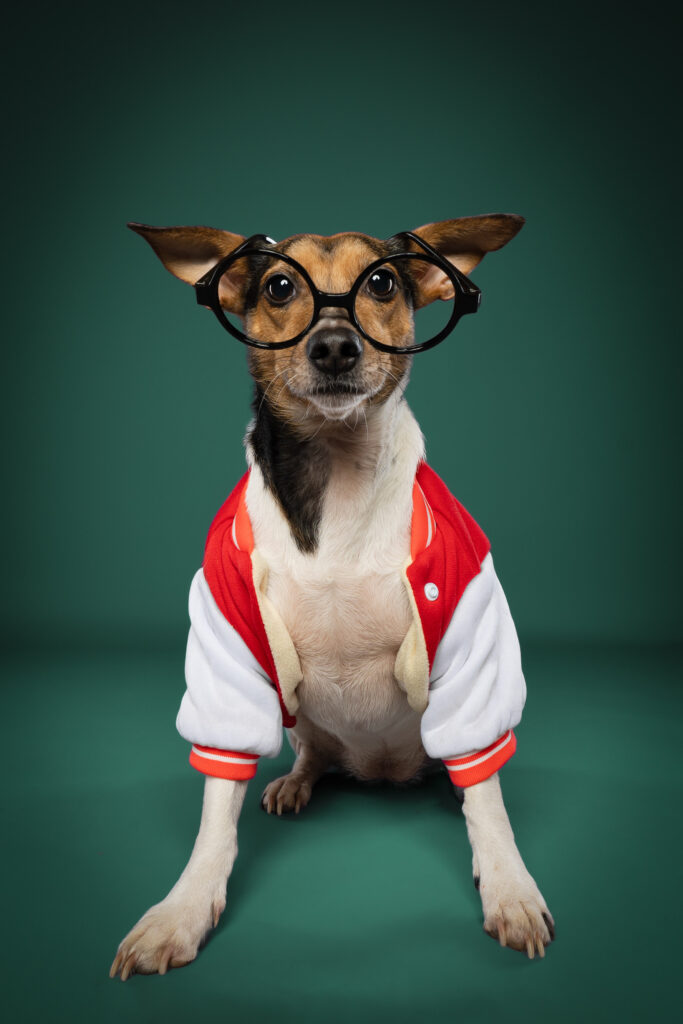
{"x":477,"y":689}
{"x":230,"y":711}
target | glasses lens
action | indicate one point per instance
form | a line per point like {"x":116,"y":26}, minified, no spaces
{"x":386,"y":300}
{"x":266,"y":298}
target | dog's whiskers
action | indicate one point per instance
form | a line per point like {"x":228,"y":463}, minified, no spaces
{"x":400,"y":384}
{"x":279,"y":374}
{"x":323,"y":421}
{"x":367,"y":428}
{"x":287,"y":383}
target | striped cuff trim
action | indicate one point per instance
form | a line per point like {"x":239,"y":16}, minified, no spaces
{"x":467,"y":771}
{"x":224,"y":764}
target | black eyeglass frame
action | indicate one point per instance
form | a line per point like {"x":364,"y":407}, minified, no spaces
{"x":467,"y":294}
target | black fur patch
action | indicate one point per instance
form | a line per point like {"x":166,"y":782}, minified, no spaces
{"x":295,"y":470}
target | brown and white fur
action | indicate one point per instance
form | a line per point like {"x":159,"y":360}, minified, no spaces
{"x":333,"y":454}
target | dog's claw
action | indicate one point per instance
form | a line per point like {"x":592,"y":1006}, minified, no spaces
{"x":165,"y":959}
{"x":128,"y":967}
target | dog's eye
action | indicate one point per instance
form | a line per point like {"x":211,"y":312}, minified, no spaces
{"x":382,"y":284}
{"x":279,"y":289}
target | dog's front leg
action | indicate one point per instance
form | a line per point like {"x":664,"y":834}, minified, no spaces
{"x":170,"y":933}
{"x":514,"y":910}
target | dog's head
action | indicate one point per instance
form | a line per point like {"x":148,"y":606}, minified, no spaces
{"x":332,"y":370}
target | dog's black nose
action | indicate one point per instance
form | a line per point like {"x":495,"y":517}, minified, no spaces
{"x":334,"y":350}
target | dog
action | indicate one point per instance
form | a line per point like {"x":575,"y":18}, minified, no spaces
{"x":345,"y":593}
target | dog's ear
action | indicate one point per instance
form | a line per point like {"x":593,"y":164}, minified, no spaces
{"x":464,"y":242}
{"x":189,"y":252}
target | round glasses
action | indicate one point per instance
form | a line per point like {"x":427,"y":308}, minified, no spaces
{"x":282,"y":304}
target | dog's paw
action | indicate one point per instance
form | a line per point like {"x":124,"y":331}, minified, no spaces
{"x":517,"y":915}
{"x":168,"y":935}
{"x":288,"y":793}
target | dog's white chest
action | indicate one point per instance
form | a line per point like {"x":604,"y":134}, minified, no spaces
{"x":347,"y":627}
{"x":346,"y":606}
{"x":347,"y":630}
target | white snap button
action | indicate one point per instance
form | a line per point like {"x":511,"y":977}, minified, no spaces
{"x":431,"y":591}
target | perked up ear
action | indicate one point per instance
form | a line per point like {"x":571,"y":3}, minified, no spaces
{"x":464,"y":242}
{"x":189,"y":252}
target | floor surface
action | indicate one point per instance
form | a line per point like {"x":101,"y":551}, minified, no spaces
{"x":362,"y":909}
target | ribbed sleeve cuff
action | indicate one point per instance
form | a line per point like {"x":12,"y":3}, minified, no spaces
{"x":224,"y":764}
{"x":467,"y":771}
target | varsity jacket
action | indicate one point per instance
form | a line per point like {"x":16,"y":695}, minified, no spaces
{"x":459,"y":663}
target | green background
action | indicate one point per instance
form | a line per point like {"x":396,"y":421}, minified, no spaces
{"x":553,"y":415}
